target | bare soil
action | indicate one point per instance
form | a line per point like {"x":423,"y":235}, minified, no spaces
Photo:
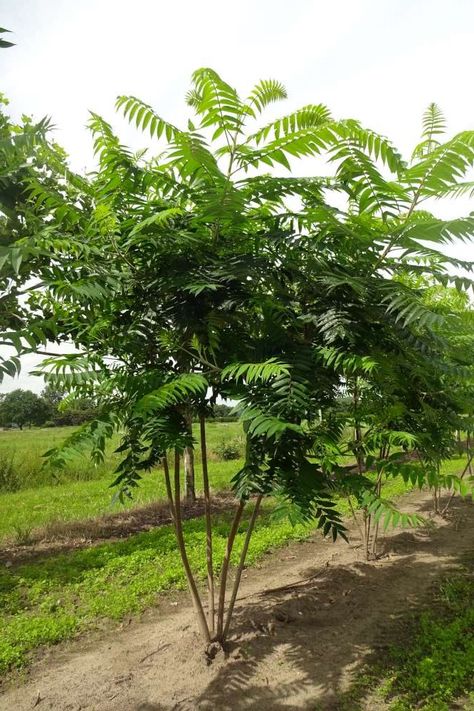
{"x":309,"y":619}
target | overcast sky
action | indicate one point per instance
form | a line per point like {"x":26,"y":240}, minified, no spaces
{"x":376,"y":60}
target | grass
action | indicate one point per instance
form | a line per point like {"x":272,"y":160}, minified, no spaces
{"x":22,"y":462}
{"x":82,"y":491}
{"x":433,"y":670}
{"x":55,"y":598}
{"x":22,"y":512}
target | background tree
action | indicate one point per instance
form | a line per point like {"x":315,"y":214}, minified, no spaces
{"x":23,"y":407}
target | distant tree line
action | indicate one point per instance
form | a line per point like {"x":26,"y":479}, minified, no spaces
{"x":23,"y":408}
{"x":223,"y":413}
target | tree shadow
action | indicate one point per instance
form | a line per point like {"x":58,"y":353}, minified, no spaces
{"x":312,"y":640}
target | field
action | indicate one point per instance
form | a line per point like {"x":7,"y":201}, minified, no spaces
{"x":69,"y":585}
{"x":45,"y":498}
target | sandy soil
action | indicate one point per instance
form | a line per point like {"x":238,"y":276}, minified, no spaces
{"x":309,"y":617}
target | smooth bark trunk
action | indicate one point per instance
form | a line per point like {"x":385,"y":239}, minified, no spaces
{"x":225,"y":570}
{"x":207,"y":507}
{"x":190,"y":490}
{"x":175,"y":508}
{"x":240,"y":567}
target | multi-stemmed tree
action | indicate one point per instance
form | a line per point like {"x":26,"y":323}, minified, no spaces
{"x":195,"y":275}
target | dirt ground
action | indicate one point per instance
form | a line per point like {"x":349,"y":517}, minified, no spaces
{"x":309,"y":617}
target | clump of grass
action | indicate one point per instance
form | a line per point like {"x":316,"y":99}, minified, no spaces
{"x":23,"y":534}
{"x":10,"y":479}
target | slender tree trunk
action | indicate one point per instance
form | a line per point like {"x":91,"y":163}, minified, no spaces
{"x":207,"y":506}
{"x":240,"y":567}
{"x":225,"y":570}
{"x":467,"y":468}
{"x":375,"y":532}
{"x":468,"y":448}
{"x":175,"y":508}
{"x":356,"y":520}
{"x":357,"y":429}
{"x":189,"y":462}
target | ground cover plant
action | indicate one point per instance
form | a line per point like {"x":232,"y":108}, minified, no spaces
{"x":219,"y":287}
{"x":432,"y":669}
{"x":48,"y":600}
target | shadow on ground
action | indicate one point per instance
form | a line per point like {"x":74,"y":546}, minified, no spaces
{"x":312,"y":640}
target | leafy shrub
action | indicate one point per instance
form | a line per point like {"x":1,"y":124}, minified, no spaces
{"x":229,"y":449}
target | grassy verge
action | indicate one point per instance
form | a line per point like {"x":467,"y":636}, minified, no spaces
{"x":433,"y":671}
{"x":21,"y":455}
{"x":21,"y":512}
{"x":56,"y":598}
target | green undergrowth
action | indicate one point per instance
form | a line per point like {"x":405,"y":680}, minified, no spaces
{"x":55,"y":598}
{"x":438,"y":666}
{"x":433,"y":669}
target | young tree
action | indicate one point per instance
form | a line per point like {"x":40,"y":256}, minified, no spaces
{"x":189,"y":277}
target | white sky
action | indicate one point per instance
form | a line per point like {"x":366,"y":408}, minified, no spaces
{"x":381,"y":61}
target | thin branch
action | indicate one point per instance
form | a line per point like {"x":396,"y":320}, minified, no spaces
{"x":240,"y":567}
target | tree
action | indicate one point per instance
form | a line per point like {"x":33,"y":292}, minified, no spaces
{"x":217,"y":288}
{"x":23,"y":407}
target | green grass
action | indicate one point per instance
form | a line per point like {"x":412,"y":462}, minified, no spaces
{"x":21,"y":512}
{"x":82,"y":491}
{"x":21,"y":455}
{"x":433,"y":670}
{"x":53,"y":599}
{"x":58,"y":597}
{"x":438,"y":665}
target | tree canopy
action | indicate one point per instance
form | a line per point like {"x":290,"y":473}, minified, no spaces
{"x":195,"y":274}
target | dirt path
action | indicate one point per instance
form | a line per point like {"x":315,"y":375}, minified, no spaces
{"x":308,"y":618}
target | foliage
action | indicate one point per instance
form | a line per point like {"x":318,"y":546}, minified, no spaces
{"x":22,"y":407}
{"x":4,"y":44}
{"x":228,"y":449}
{"x":189,"y":277}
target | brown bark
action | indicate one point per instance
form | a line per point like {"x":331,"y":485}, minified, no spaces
{"x":240,"y":567}
{"x":190,"y":490}
{"x":225,"y":570}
